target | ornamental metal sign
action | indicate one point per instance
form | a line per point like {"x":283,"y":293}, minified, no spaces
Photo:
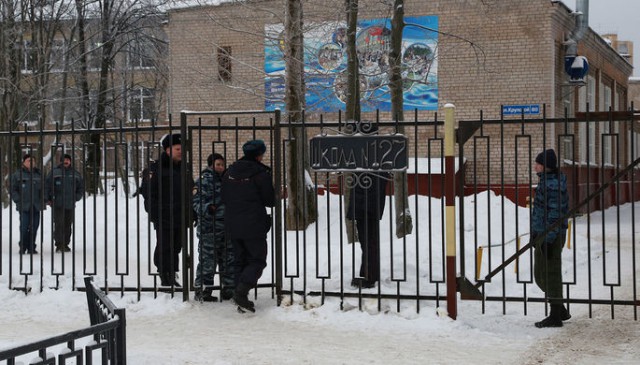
{"x":359,"y":152}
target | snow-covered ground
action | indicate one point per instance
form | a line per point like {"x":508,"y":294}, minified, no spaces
{"x":166,"y":330}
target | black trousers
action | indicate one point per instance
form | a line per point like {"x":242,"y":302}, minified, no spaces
{"x":62,"y":222}
{"x":168,"y":247}
{"x":369,"y":236}
{"x":250,"y":260}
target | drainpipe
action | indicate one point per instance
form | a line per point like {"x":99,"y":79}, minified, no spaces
{"x":577,"y":66}
{"x":582,"y":24}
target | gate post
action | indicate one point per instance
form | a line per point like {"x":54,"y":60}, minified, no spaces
{"x":278,"y":183}
{"x":450,"y":208}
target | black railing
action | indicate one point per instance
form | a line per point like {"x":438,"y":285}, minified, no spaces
{"x":113,"y":239}
{"x":103,"y":342}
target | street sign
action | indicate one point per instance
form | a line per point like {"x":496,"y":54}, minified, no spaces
{"x":518,"y":109}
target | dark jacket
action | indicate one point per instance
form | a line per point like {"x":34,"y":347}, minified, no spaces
{"x":367,"y":196}
{"x":165,"y":192}
{"x":246,"y":190}
{"x":64,"y":187}
{"x":26,"y":189}
{"x":550,"y":203}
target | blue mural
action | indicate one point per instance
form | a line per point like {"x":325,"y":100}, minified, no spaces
{"x":325,"y":62}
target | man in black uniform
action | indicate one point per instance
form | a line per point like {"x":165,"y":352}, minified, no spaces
{"x":247,"y":190}
{"x":366,"y":206}
{"x":165,"y":208}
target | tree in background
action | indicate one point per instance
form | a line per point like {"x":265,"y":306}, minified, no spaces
{"x":301,"y":207}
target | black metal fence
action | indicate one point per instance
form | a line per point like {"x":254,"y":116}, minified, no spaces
{"x":600,"y":155}
{"x":104,"y":342}
{"x":113,"y":239}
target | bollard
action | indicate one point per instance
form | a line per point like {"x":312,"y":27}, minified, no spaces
{"x":478,"y":263}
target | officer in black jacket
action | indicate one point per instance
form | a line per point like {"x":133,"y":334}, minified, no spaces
{"x":166,"y":206}
{"x":247,"y":190}
{"x":366,"y":206}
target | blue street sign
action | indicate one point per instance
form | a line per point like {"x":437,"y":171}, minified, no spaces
{"x":518,"y":109}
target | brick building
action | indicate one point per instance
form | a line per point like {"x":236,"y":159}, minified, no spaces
{"x":489,"y":54}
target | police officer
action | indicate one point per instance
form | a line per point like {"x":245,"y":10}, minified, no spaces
{"x":165,"y":208}
{"x":247,"y":190}
{"x":214,"y":249}
{"x":64,"y":187}
{"x":26,"y":193}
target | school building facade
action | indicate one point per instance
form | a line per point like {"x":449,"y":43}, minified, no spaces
{"x":504,"y":58}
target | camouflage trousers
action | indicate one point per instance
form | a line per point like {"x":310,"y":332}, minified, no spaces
{"x":215,"y":252}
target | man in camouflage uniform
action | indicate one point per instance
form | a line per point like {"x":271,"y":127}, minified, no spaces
{"x":213,"y":248}
{"x":551,"y":203}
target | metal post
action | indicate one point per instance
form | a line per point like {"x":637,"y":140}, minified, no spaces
{"x":277,"y":172}
{"x":450,"y":208}
{"x":186,"y":208}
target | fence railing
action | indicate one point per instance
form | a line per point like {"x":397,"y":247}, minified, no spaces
{"x":103,"y":342}
{"x":113,"y":239}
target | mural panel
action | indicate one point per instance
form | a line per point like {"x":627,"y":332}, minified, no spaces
{"x":325,"y":61}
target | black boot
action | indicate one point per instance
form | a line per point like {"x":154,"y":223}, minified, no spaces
{"x":204,"y":295}
{"x":554,"y":319}
{"x":564,"y":313}
{"x":241,"y":298}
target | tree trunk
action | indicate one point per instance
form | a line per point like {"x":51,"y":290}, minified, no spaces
{"x":94,"y":156}
{"x":352,"y":111}
{"x":404,"y":222}
{"x":301,"y":207}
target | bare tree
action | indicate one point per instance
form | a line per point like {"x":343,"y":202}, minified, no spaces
{"x":404,"y":222}
{"x":31,"y":52}
{"x":119,"y":25}
{"x":352,"y":108}
{"x":301,"y":208}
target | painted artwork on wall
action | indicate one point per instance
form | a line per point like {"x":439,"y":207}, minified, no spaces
{"x":325,"y":62}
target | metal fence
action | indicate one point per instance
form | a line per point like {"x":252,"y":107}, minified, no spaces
{"x":113,"y":239}
{"x":104,"y":342}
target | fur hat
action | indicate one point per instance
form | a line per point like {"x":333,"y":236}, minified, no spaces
{"x":548,"y":159}
{"x":213,"y":157}
{"x":254,"y":148}
{"x":170,"y":140}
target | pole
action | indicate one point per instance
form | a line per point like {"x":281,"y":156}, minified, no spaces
{"x":450,"y":208}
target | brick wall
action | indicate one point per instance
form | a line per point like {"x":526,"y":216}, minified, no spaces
{"x":490,"y":53}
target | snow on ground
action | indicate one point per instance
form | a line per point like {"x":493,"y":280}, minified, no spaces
{"x":166,"y":330}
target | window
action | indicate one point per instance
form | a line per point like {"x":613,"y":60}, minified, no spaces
{"x":28,"y":61}
{"x":94,"y":56}
{"x":587,"y":97}
{"x":623,"y":48}
{"x":607,"y":141}
{"x":141,"y":104}
{"x":57,"y":55}
{"x":568,"y":141}
{"x":141,"y":54}
{"x":224,"y":64}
